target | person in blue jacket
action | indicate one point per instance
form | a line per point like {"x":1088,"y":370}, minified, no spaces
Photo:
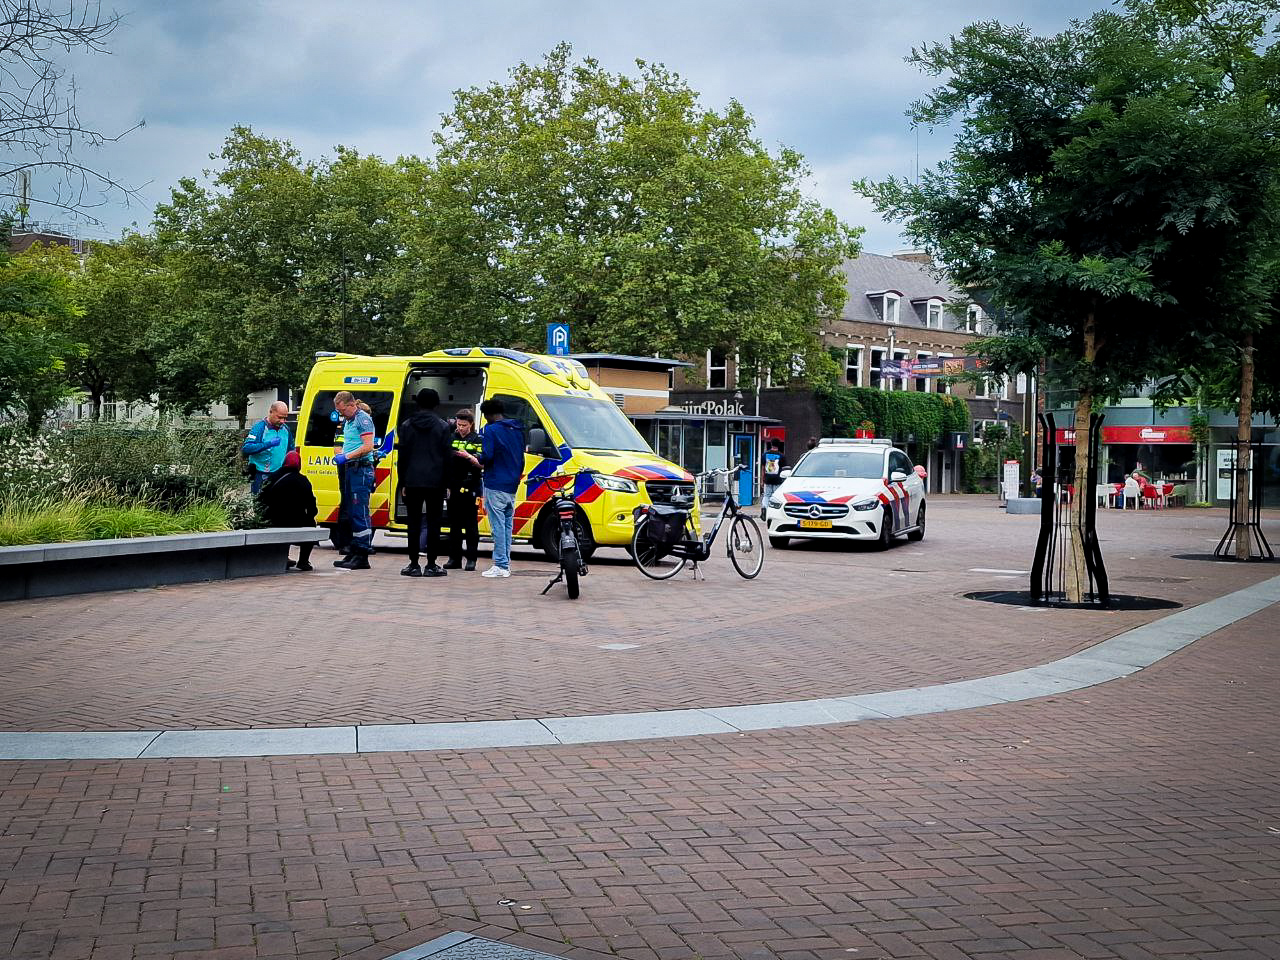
{"x":266,"y":445}
{"x":502,"y":457}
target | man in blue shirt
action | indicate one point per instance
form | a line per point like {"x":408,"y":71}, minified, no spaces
{"x":266,"y":445}
{"x":502,"y":456}
{"x":356,"y":459}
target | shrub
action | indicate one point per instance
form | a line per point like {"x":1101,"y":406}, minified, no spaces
{"x":155,"y":463}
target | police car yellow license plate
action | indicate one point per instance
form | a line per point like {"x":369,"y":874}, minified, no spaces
{"x":815,"y":524}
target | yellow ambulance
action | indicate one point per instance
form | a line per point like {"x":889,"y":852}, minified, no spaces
{"x":570,"y":424}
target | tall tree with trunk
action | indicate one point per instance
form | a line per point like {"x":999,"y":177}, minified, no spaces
{"x":619,"y":204}
{"x":1113,"y":188}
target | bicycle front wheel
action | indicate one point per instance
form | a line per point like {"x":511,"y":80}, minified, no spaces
{"x":653,"y":560}
{"x":746,"y":547}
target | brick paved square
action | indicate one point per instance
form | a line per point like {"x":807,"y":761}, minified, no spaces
{"x":1137,"y":818}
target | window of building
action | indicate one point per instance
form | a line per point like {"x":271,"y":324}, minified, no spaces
{"x":853,"y":366}
{"x":877,"y":361}
{"x":1022,"y":384}
{"x":942,"y":386}
{"x":933,"y":315}
{"x":717,"y":370}
{"x":895,"y":383}
{"x":981,"y":389}
{"x":921,"y":384}
{"x":891,"y":304}
{"x":973,"y":319}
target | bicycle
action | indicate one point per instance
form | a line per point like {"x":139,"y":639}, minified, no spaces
{"x":665,"y":540}
{"x":572,"y":563}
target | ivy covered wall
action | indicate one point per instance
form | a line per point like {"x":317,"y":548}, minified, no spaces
{"x":896,"y":414}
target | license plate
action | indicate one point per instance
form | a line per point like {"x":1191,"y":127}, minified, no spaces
{"x":815,"y":524}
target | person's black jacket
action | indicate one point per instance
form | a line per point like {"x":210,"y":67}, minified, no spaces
{"x":287,"y":499}
{"x":426,"y":444}
{"x":462,"y":473}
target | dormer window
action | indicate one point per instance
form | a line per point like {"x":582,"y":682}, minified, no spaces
{"x":887,"y":303}
{"x":973,"y":319}
{"x":933,"y":315}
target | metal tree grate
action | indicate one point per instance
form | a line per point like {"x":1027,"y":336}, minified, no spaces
{"x":464,"y":946}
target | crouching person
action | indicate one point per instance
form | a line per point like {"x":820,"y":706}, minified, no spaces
{"x":287,"y":500}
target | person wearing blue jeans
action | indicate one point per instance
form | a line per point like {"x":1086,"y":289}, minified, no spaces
{"x":356,"y":459}
{"x":502,"y":458}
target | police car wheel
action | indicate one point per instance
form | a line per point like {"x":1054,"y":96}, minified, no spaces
{"x":779,"y":543}
{"x":915,"y":536}
{"x":885,"y":540}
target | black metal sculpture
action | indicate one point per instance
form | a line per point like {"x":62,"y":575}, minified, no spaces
{"x":1048,"y":568}
{"x":1252,"y":527}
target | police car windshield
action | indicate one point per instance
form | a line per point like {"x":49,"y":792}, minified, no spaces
{"x":854,"y":464}
{"x":592,"y":424}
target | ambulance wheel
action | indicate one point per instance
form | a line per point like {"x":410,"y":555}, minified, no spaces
{"x":547,"y":534}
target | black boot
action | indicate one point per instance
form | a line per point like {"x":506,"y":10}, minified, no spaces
{"x":412,"y":570}
{"x":433,"y":571}
{"x":471,"y":565}
{"x":453,"y":565}
{"x":358,"y":562}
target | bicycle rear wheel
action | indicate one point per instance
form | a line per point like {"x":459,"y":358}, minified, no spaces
{"x":746,"y":547}
{"x":652,"y":560}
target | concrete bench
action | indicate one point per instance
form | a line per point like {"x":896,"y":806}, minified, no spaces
{"x":1023,"y":505}
{"x":88,"y":566}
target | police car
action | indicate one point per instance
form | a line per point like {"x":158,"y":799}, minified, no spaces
{"x":849,"y":490}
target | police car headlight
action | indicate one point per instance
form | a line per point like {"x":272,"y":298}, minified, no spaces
{"x":866,"y":504}
{"x":775,"y":503}
{"x":616,"y":484}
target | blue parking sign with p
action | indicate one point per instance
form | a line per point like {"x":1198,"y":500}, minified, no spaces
{"x":558,"y":339}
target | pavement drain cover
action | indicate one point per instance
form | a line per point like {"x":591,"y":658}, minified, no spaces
{"x":463,"y":946}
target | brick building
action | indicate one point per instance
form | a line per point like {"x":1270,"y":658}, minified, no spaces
{"x":898,"y":309}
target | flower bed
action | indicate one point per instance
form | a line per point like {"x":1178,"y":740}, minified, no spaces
{"x":100,"y":482}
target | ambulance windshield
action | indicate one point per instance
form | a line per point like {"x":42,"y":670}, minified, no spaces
{"x":588,"y":423}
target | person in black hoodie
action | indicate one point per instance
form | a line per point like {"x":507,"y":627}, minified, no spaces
{"x":287,"y":500}
{"x":426,"y":444}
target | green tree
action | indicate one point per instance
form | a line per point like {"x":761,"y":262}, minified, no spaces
{"x":620,"y":205}
{"x":276,"y":258}
{"x":35,"y":309}
{"x":1111,"y":187}
{"x":118,"y":292}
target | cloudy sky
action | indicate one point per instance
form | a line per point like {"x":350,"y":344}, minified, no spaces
{"x":825,"y":78}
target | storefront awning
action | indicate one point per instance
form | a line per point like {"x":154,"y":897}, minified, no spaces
{"x":1133,"y":435}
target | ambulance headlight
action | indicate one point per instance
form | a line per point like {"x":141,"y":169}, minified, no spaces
{"x":865,"y":505}
{"x":616,"y":484}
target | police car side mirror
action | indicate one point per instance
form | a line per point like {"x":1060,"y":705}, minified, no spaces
{"x":896,"y":476}
{"x":541,"y":446}
{"x":785,"y":473}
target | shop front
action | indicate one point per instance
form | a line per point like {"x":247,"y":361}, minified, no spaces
{"x":1166,"y":452}
{"x":704,"y":432}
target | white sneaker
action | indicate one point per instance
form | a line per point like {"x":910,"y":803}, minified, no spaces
{"x":496,"y":572}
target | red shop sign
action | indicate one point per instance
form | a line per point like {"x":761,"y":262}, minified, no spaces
{"x":1139,"y":435}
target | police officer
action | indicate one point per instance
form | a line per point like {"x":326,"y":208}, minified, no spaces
{"x":464,"y":487}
